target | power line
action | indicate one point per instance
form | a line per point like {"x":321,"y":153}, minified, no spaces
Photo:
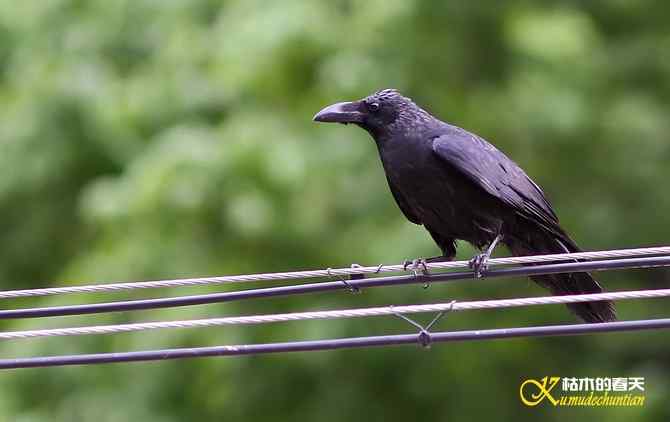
{"x":293,"y":275}
{"x":333,"y":344}
{"x":334,"y":314}
{"x":628,"y":258}
{"x":93,"y":308}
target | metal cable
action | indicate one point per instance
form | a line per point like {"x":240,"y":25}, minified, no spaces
{"x":131,"y":305}
{"x":334,"y":314}
{"x":292,"y":275}
{"x":332,"y":344}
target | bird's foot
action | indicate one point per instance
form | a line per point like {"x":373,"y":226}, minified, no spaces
{"x":479,"y":264}
{"x":417,"y":265}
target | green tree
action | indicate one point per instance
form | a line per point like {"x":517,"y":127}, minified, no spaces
{"x":144,"y":139}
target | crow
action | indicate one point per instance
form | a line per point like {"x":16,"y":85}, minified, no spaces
{"x":460,"y":187}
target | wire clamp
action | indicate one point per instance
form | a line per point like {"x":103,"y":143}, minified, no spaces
{"x":357,"y":276}
{"x":424,"y":339}
{"x":352,"y":289}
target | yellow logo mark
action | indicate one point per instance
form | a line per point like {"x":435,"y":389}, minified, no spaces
{"x":543,"y":389}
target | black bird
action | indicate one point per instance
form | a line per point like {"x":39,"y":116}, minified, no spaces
{"x":459,"y":186}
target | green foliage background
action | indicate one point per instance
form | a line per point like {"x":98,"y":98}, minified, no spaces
{"x":149,"y":139}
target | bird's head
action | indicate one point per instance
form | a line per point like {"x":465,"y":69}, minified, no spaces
{"x":379,"y":113}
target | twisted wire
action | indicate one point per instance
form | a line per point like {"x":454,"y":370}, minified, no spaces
{"x":332,"y":344}
{"x":293,"y":275}
{"x":323,"y":286}
{"x":335,"y":314}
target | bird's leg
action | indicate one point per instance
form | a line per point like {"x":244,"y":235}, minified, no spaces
{"x":479,"y":263}
{"x":441,"y":258}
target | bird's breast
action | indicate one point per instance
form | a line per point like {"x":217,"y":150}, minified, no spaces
{"x":416,"y":173}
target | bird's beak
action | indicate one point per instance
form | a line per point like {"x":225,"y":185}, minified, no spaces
{"x":341,"y":113}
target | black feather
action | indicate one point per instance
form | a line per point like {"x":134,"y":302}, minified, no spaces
{"x":459,"y":186}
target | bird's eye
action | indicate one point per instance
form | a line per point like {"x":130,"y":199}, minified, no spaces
{"x":373,"y":107}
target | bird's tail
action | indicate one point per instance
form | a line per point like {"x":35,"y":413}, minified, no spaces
{"x":565,"y":284}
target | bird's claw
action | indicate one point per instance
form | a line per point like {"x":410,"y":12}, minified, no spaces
{"x":479,"y":264}
{"x":417,"y":265}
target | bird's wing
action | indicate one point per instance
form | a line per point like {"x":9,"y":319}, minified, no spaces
{"x":493,"y":171}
